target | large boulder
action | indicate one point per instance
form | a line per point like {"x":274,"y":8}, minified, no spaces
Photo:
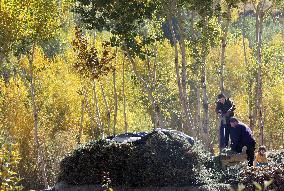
{"x":228,"y":157}
{"x":159,"y":158}
{"x":67,"y":187}
{"x":135,"y":136}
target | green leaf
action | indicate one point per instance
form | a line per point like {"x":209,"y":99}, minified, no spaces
{"x":241,"y":187}
{"x":267,"y":183}
{"x":257,"y":185}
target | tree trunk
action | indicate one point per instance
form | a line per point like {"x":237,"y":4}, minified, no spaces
{"x":124,"y":97}
{"x":204,"y":98}
{"x":156,"y":114}
{"x":249,"y":79}
{"x":154,"y":104}
{"x":259,"y":26}
{"x":98,"y":115}
{"x":115,"y":102}
{"x":107,"y":109}
{"x":181,"y":100}
{"x":282,"y":139}
{"x":90,"y":116}
{"x":255,"y":101}
{"x":198,"y":112}
{"x":115,"y":95}
{"x":271,"y":142}
{"x":204,"y":92}
{"x":223,"y":48}
{"x":81,"y":122}
{"x":188,"y":120}
{"x":153,"y":112}
{"x":41,"y":163}
{"x":2,"y":64}
{"x":154,"y":82}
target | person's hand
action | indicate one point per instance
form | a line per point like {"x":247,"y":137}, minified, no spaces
{"x":227,"y":113}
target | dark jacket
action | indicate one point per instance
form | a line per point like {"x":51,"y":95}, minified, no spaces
{"x":241,"y":136}
{"x":228,"y":106}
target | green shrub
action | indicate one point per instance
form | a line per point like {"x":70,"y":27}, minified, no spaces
{"x":158,"y":159}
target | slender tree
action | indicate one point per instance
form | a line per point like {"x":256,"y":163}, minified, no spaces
{"x":98,"y":113}
{"x":115,"y":95}
{"x":124,"y":27}
{"x":41,"y":22}
{"x":124,"y":96}
{"x":81,"y":121}
{"x":261,"y":9}
{"x":91,"y":66}
{"x":107,"y":108}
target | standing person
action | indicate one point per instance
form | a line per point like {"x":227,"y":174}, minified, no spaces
{"x":260,"y":158}
{"x":225,"y":108}
{"x":241,"y":135}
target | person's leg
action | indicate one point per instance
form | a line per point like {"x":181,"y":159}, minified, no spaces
{"x":227,"y":135}
{"x":222,"y":136}
{"x":250,"y":153}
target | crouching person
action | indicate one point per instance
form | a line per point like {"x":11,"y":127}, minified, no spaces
{"x":241,"y":135}
{"x":261,"y":159}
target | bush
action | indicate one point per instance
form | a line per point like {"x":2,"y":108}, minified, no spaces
{"x":9,"y":160}
{"x":274,"y":171}
{"x":158,"y":159}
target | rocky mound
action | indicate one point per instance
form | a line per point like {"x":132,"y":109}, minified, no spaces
{"x":160,"y":158}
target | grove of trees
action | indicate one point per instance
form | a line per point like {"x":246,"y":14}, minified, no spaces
{"x":75,"y":71}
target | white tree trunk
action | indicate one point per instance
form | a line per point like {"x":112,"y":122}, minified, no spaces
{"x":81,"y":121}
{"x":124,"y":97}
{"x":204,"y":98}
{"x":259,"y":106}
{"x":198,"y":112}
{"x":204,"y":93}
{"x":98,"y":115}
{"x":249,"y":79}
{"x":41,"y":162}
{"x":90,"y":116}
{"x":178,"y":78}
{"x":107,"y":108}
{"x":181,"y":28}
{"x":115,"y":102}
{"x":153,"y":113}
{"x":146,"y":85}
{"x":223,"y":49}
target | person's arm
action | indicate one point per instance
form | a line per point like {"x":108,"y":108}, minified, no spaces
{"x":218,"y":108}
{"x":233,"y":107}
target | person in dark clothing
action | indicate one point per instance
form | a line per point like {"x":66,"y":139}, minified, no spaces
{"x":241,"y":135}
{"x":225,"y":108}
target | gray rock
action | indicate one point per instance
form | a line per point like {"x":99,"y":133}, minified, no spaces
{"x":62,"y":186}
{"x":49,"y":189}
{"x":65,"y":187}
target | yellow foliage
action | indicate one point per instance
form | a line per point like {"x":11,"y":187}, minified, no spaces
{"x":235,"y":14}
{"x":9,"y":160}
